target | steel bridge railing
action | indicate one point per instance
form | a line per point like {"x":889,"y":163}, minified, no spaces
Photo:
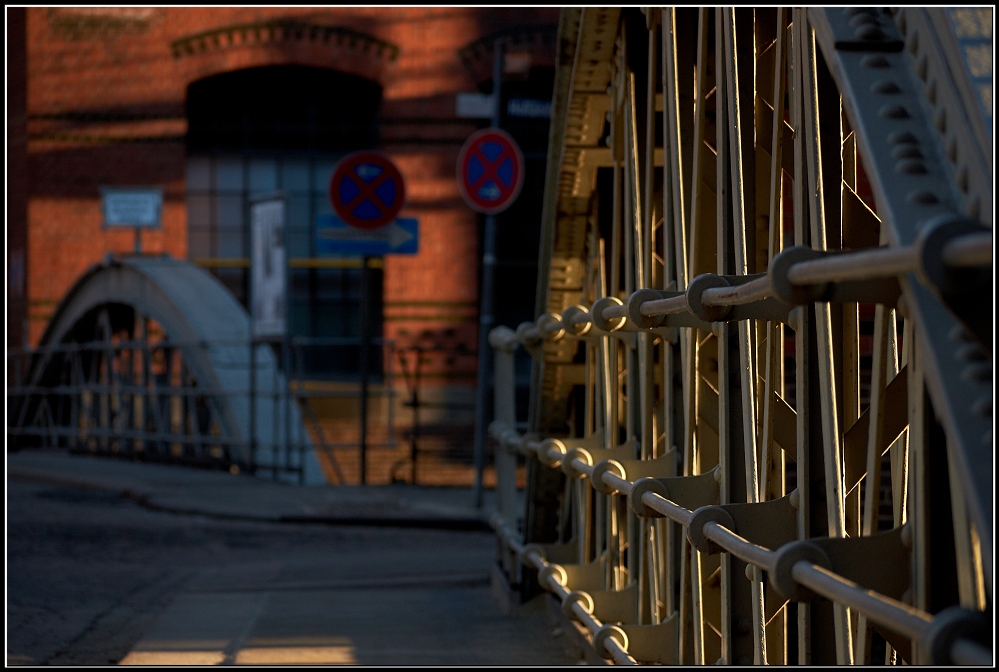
{"x":764,"y":339}
{"x":792,"y":567}
{"x":136,"y":398}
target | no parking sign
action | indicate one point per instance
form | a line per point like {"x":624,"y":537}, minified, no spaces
{"x":367,"y":190}
{"x":490,"y":171}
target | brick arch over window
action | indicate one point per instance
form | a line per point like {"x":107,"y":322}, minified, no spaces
{"x":283,"y":42}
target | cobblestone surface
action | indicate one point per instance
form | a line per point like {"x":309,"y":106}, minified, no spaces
{"x":90,"y":574}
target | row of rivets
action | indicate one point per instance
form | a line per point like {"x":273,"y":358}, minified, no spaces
{"x":977,"y":369}
{"x":864,"y":21}
{"x":940,"y":116}
{"x":906,"y":152}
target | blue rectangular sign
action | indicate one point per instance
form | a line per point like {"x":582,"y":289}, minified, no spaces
{"x":334,"y":237}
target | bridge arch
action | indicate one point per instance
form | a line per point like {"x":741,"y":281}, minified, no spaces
{"x":132,"y":337}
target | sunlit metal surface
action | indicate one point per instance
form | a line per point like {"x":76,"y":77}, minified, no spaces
{"x":760,"y":423}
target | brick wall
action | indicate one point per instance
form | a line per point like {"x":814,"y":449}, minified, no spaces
{"x":105,"y":102}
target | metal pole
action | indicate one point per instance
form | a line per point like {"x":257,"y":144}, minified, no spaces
{"x":253,"y":403}
{"x":365,"y":343}
{"x":414,"y":445}
{"x":286,"y":361}
{"x":275,"y":449}
{"x":486,"y":310}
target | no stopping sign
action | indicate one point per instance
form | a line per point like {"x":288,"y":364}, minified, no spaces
{"x":490,"y":171}
{"x":367,"y":190}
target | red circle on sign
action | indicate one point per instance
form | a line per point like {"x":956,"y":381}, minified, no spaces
{"x":367,"y":190}
{"x":490,"y":171}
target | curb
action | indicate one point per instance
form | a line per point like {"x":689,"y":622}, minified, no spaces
{"x":457,"y":524}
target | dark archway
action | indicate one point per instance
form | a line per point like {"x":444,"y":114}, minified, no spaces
{"x":282,"y":108}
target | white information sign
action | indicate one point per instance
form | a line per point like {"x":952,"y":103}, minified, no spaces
{"x":474,"y":105}
{"x":267,"y":269}
{"x":132,"y":206}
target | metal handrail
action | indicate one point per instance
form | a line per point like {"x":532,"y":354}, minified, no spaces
{"x":969,"y":250}
{"x":878,"y":608}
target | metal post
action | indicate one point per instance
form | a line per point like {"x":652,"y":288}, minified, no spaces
{"x":486,"y":310}
{"x":365,"y":343}
{"x":286,"y":366}
{"x":275,"y":450}
{"x":414,"y":443}
{"x":253,"y":403}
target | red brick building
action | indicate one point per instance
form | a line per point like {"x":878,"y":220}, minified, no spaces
{"x":213,"y":104}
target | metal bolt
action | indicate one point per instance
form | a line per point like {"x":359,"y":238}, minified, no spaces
{"x":863,"y":19}
{"x":907,"y":151}
{"x":922,"y":198}
{"x":959,"y":333}
{"x":952,"y":149}
{"x":922,"y":67}
{"x":795,"y":499}
{"x":874,"y":62}
{"x":983,"y":407}
{"x":869,"y":33}
{"x":885,"y":87}
{"x":974,"y":208}
{"x":893,"y":112}
{"x":911,"y":167}
{"x":902,"y":138}
{"x":978,"y":373}
{"x":940,"y":119}
{"x":900,"y":21}
{"x":962,"y":178}
{"x":970,"y":353}
{"x":931,"y":91}
{"x":718,"y":475}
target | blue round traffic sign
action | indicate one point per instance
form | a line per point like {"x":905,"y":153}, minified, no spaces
{"x":490,"y":171}
{"x":367,"y":190}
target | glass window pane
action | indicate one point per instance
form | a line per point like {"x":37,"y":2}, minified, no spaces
{"x":263,"y":175}
{"x":295,"y":175}
{"x":199,"y":215}
{"x":321,"y":176}
{"x":199,"y":174}
{"x":321,"y":204}
{"x":229,"y":211}
{"x":228,"y":174}
{"x":299,"y":227}
{"x":299,"y":243}
{"x":229,"y":243}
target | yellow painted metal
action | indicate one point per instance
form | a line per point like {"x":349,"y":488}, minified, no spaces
{"x":659,"y":423}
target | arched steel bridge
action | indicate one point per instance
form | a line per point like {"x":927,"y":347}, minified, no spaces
{"x":150,"y":357}
{"x":760,"y":429}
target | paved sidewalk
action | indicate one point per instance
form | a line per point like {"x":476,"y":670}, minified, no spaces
{"x":407,"y":584}
{"x":242,"y":497}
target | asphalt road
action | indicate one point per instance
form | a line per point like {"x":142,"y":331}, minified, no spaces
{"x":93,"y":578}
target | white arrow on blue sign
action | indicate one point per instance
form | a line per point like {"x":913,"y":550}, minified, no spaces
{"x":335,"y":237}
